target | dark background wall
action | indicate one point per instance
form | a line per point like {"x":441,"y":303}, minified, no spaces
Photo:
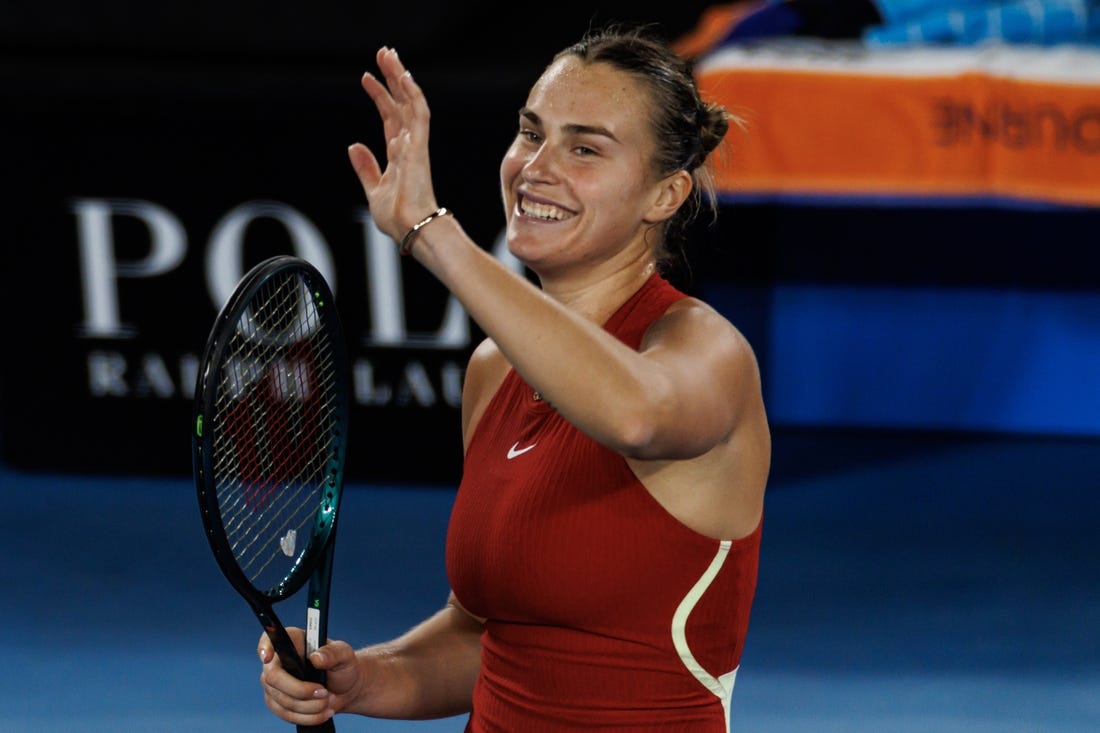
{"x":154,"y":153}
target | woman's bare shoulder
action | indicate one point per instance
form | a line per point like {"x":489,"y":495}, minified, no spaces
{"x":485,"y":371}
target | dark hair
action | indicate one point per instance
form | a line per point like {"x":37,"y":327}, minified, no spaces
{"x":686,"y":127}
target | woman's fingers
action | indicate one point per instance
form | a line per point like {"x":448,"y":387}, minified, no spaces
{"x":291,"y":693}
{"x":392,"y":69}
{"x":378,"y":93}
{"x":398,"y":191}
{"x":400,"y":100}
{"x":290,"y":698}
{"x":296,"y":710}
{"x":365,"y":166}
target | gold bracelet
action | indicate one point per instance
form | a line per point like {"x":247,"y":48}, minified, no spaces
{"x":408,"y":239}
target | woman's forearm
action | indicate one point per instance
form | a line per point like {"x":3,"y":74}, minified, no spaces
{"x":428,"y":672}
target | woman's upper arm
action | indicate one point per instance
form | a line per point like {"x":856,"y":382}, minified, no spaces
{"x":704,"y":373}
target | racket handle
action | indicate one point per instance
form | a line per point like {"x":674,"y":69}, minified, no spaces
{"x":298,"y":666}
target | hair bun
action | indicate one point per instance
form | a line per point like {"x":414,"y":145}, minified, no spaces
{"x":714,"y":123}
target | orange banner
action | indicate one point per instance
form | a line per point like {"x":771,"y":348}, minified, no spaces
{"x":1009,"y":123}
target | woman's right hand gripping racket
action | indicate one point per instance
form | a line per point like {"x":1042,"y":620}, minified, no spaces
{"x":268,"y":446}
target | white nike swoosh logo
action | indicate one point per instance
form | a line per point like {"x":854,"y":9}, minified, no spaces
{"x":512,"y":452}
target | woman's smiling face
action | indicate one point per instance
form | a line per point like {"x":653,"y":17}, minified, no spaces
{"x":577,"y":179}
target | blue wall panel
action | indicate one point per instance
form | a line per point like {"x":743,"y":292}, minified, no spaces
{"x":930,"y":358}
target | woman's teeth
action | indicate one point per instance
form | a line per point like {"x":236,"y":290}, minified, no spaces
{"x":541,"y":211}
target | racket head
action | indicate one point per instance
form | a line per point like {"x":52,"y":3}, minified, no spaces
{"x":269,"y":429}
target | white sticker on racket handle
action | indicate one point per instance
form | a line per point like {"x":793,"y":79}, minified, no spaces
{"x":313,"y":623}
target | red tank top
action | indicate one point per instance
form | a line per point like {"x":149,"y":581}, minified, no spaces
{"x":603,"y":611}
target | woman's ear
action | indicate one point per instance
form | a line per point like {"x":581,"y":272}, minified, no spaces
{"x":671,"y":192}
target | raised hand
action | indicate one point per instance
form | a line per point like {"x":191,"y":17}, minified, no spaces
{"x":400,"y":195}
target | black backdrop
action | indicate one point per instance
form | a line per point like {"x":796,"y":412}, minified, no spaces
{"x":133,"y":130}
{"x":136,"y":116}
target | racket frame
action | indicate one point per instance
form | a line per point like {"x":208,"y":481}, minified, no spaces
{"x":315,"y":564}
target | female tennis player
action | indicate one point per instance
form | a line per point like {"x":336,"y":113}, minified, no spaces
{"x":604,"y":541}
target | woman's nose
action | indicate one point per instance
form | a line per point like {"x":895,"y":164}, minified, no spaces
{"x":540,"y":166}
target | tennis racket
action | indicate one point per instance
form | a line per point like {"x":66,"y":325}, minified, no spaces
{"x":268,"y":446}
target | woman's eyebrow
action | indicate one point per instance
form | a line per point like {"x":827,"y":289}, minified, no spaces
{"x":571,"y":128}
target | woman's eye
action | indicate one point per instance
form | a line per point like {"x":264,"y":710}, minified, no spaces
{"x":529,"y":135}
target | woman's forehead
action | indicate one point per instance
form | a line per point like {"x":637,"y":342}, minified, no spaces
{"x":572,"y":86}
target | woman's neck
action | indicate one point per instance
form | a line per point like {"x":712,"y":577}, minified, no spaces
{"x":597,"y":294}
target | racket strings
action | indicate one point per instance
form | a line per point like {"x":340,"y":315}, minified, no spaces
{"x":275,"y":429}
{"x":251,"y":500}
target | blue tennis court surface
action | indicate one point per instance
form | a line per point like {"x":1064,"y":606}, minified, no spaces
{"x":906,"y":584}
